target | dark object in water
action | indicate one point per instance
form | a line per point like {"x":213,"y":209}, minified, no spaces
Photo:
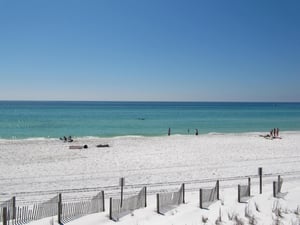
{"x":102,"y":146}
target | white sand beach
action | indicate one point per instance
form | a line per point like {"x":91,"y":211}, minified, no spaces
{"x":33,"y":168}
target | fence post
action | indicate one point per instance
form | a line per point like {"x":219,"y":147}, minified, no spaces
{"x":14,"y":207}
{"x":110,"y":208}
{"x":274,"y":189}
{"x":145,"y":197}
{"x":59,"y":209}
{"x":157,"y":202}
{"x":183,"y":193}
{"x":260,"y":179}
{"x":249,"y":186}
{"x":239,"y":194}
{"x":103,"y":201}
{"x":218,"y":190}
{"x":122,"y":182}
{"x":200,"y":198}
{"x":4,"y":216}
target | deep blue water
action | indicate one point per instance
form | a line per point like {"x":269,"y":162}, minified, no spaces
{"x":25,"y":119}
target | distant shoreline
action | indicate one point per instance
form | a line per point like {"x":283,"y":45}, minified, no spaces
{"x":254,"y":133}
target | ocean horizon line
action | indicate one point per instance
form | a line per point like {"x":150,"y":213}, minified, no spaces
{"x":153,"y":101}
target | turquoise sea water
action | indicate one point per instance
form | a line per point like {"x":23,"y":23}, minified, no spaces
{"x":26,"y":119}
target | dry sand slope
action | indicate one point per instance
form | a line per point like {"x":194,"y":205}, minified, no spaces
{"x":45,"y":164}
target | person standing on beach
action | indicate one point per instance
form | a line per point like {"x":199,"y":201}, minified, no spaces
{"x":277,"y":132}
{"x":271,"y":133}
{"x":196,"y":132}
{"x":169,"y":131}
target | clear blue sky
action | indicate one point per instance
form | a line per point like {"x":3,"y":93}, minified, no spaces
{"x":161,"y":50}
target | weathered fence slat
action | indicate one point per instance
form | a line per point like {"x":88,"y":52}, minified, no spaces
{"x":170,"y":200}
{"x":129,"y":204}
{"x":208,"y":196}
{"x":277,"y":188}
{"x":74,"y":210}
{"x":244,"y":192}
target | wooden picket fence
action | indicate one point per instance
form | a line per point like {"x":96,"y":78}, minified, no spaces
{"x":65,"y":212}
{"x":10,"y":214}
{"x":74,"y":210}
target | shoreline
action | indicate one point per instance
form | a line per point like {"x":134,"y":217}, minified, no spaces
{"x":252,"y":133}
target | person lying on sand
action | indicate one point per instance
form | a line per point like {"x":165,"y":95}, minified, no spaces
{"x":274,"y":133}
{"x":266,"y":136}
{"x":65,"y":139}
